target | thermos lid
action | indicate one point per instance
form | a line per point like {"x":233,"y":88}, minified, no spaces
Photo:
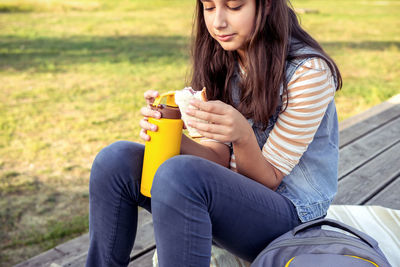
{"x":170,"y":110}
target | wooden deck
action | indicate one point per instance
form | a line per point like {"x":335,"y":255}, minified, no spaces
{"x":369,"y":174}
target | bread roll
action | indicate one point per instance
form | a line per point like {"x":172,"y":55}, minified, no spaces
{"x":182,"y":99}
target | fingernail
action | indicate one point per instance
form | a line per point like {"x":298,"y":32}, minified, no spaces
{"x":153,"y":128}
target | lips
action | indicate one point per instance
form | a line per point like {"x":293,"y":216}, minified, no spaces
{"x":225,"y":37}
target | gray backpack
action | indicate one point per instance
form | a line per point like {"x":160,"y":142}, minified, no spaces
{"x":308,"y":245}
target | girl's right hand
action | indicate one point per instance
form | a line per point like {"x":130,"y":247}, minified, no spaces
{"x":147,"y":113}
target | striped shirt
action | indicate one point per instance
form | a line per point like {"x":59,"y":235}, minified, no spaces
{"x":310,"y":90}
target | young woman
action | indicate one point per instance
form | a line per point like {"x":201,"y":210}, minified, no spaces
{"x":267,"y":160}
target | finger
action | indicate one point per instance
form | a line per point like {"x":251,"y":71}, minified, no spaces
{"x":214,"y":136}
{"x":144,"y":135}
{"x":216,"y":107}
{"x":148,"y":112}
{"x":207,"y":116}
{"x":208,"y":127}
{"x":150,"y":95}
{"x":144,"y":124}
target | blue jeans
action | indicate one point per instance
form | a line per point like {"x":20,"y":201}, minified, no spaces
{"x":194,"y":203}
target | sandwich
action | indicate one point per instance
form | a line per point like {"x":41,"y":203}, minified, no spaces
{"x":182,"y":99}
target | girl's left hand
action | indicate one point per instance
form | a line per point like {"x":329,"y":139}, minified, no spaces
{"x":226,"y":124}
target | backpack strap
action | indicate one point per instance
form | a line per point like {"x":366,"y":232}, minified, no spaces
{"x":364,"y":237}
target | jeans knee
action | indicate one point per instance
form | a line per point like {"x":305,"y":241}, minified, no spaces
{"x":176,"y":176}
{"x":120,"y":159}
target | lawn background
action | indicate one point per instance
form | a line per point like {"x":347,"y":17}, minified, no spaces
{"x":72,"y":77}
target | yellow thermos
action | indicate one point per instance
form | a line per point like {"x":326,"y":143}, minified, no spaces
{"x":163,"y":144}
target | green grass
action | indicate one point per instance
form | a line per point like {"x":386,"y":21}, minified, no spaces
{"x":364,"y":39}
{"x":72,"y":77}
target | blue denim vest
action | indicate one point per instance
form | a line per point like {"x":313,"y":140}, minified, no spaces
{"x":312,"y":183}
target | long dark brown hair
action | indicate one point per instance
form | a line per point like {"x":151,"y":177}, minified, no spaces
{"x":268,"y":49}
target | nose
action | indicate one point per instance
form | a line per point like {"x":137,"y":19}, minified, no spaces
{"x":219,"y":19}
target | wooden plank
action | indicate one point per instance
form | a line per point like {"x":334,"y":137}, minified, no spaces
{"x":74,"y":247}
{"x":388,"y":197}
{"x":44,"y":259}
{"x":75,"y":261}
{"x":352,"y":128}
{"x":73,"y":253}
{"x":368,"y":147}
{"x":62,"y":253}
{"x":349,"y":135}
{"x":143,"y":261}
{"x":365,"y":182}
{"x":373,"y":111}
{"x":145,"y":234}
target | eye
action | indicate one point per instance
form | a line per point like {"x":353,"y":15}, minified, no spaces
{"x":208,"y":8}
{"x":235,"y":8}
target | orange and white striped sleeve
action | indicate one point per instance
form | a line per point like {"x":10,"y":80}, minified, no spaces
{"x":310,"y":91}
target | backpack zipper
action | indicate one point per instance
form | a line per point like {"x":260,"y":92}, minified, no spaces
{"x":376,"y":265}
{"x":318,"y":241}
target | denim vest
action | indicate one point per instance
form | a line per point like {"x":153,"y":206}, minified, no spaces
{"x":312,"y":183}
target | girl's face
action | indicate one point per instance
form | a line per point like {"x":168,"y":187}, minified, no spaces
{"x":230,"y":22}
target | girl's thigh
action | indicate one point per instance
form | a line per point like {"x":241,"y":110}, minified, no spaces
{"x":245,"y":215}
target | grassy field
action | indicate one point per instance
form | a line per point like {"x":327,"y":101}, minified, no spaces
{"x":72,"y":76}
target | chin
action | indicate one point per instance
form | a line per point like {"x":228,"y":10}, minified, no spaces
{"x":229,"y":47}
